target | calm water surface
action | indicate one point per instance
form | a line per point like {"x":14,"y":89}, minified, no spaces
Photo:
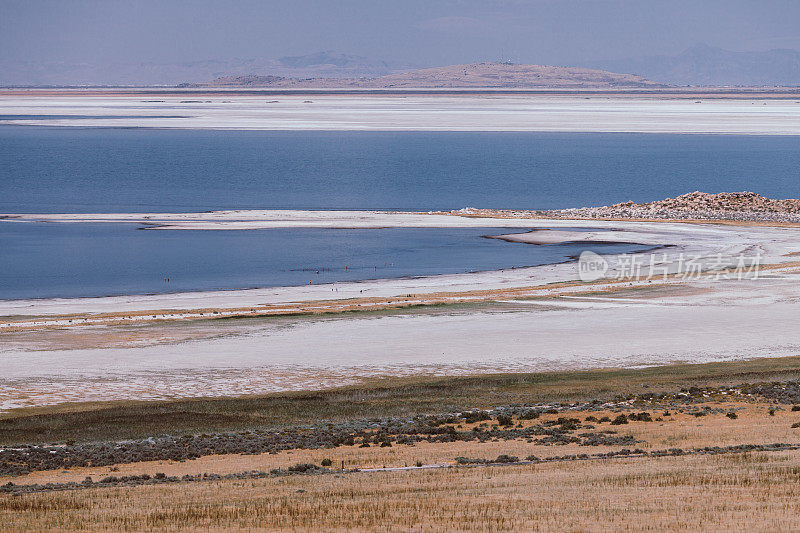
{"x":45,"y":169}
{"x":72,"y":169}
{"x":43,"y":260}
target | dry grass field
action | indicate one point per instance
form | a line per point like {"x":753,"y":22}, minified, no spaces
{"x":742,"y":492}
{"x":750,"y":490}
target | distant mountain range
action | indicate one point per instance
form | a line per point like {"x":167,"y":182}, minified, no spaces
{"x":321,"y":64}
{"x":706,"y":65}
{"x":699,"y":65}
{"x":494,"y":75}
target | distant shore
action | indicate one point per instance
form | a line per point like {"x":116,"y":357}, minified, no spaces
{"x":674,"y":111}
{"x":165,"y":90}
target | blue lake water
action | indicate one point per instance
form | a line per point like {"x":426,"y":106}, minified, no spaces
{"x":45,"y":169}
{"x":43,"y":260}
{"x":72,"y":169}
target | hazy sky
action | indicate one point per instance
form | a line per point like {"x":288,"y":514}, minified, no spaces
{"x":418,"y":32}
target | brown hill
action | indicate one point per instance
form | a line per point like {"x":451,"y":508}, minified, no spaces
{"x":474,"y":75}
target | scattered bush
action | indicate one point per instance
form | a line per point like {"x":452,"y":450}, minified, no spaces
{"x":641,"y":417}
{"x":732,"y":415}
{"x":504,"y":420}
{"x":621,"y":419}
{"x":796,"y":408}
{"x":475,"y":416}
{"x":470,"y":461}
{"x":326,"y":462}
{"x":303,"y":468}
{"x":600,"y":439}
{"x":568,"y":424}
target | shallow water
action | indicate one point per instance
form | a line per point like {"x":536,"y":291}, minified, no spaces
{"x":42,"y":260}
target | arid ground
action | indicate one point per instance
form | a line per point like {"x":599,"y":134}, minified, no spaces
{"x":688,"y":447}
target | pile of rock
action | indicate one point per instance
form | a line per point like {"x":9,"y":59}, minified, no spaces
{"x":743,"y":206}
{"x":727,"y":201}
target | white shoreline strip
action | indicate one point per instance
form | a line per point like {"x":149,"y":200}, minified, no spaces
{"x":490,"y":112}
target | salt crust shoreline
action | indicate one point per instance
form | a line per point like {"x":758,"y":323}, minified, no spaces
{"x":532,"y":322}
{"x":630,"y":113}
{"x":772,"y":244}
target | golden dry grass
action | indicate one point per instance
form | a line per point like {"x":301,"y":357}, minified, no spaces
{"x":733,"y":493}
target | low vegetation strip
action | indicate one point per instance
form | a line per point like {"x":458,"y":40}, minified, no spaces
{"x":310,"y":469}
{"x":385,"y":398}
{"x":508,"y":423}
{"x":365,"y":433}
